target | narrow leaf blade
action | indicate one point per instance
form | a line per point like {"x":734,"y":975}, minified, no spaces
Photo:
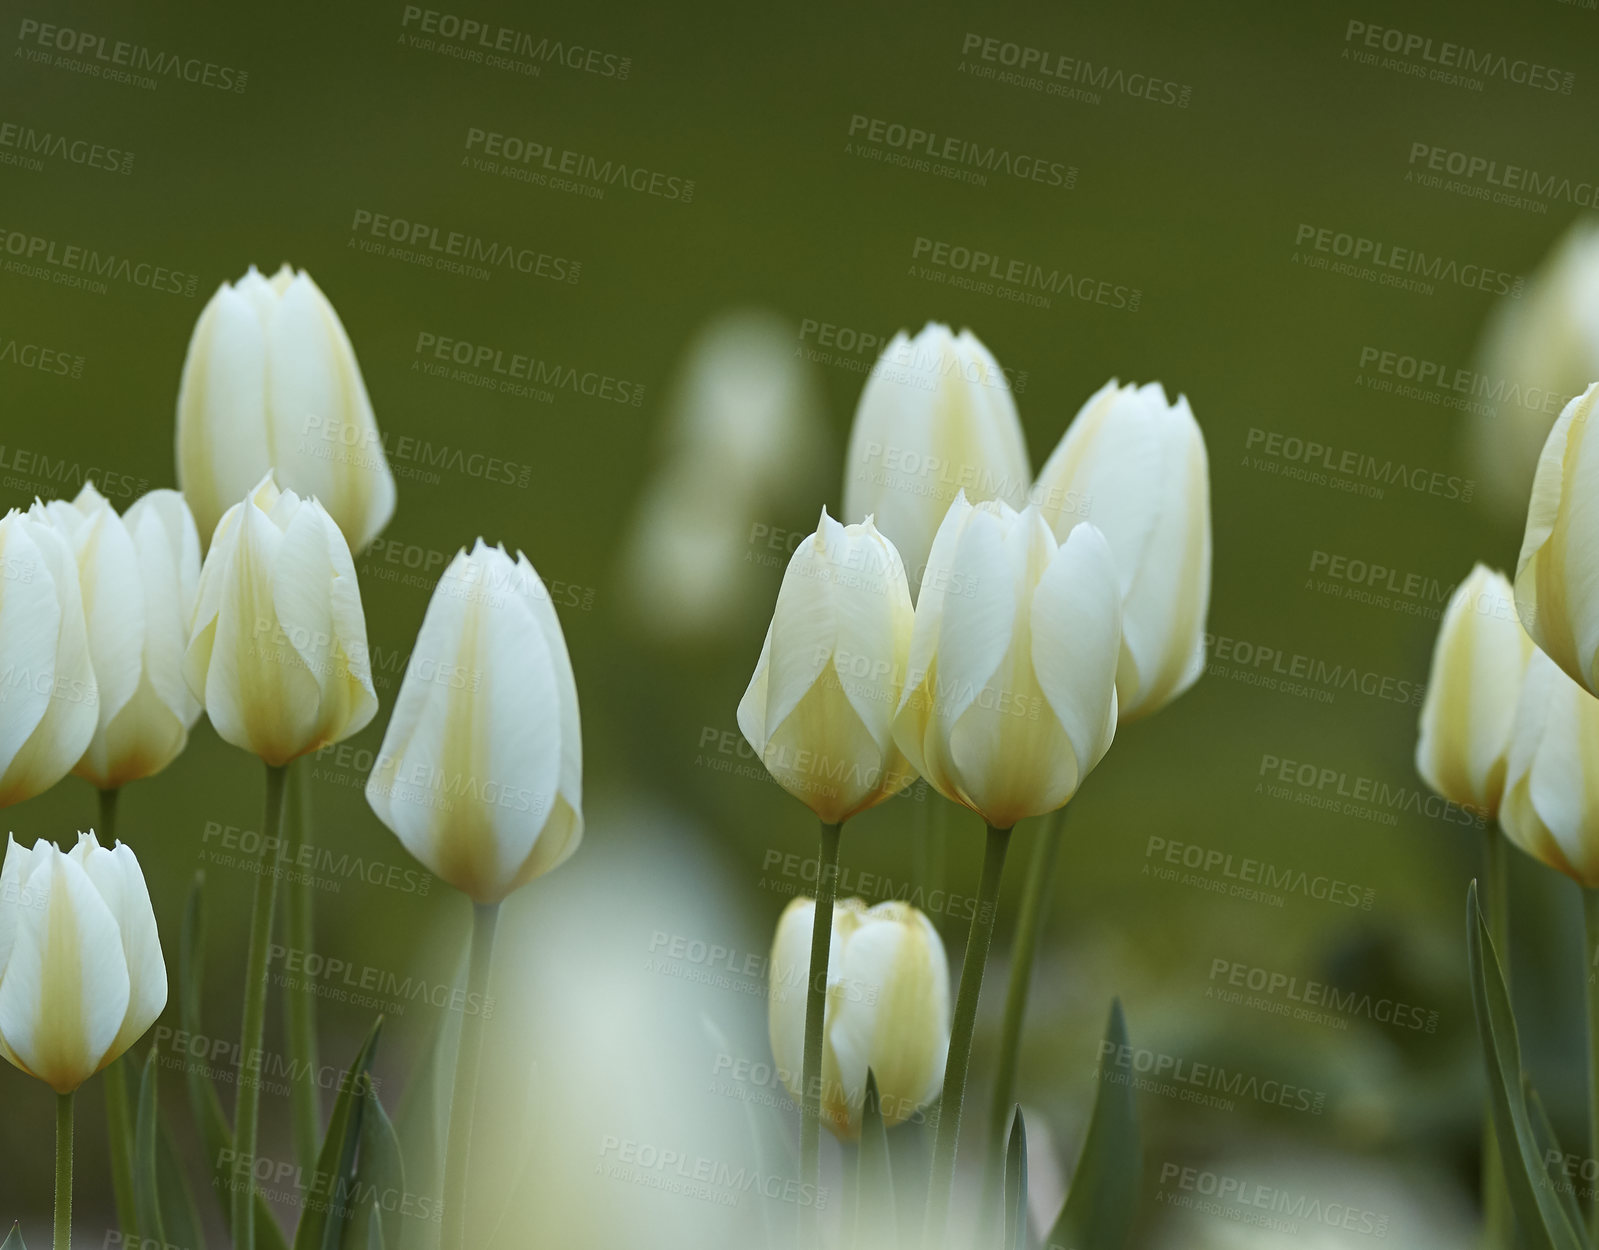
{"x":1016,"y":1184}
{"x":322,"y":1225}
{"x":1103,"y":1199}
{"x":146,"y":1190}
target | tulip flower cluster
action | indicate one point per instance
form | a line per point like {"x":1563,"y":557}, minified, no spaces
{"x":120,"y":636}
{"x":986,"y":633}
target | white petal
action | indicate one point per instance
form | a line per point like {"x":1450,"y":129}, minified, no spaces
{"x":65,"y":990}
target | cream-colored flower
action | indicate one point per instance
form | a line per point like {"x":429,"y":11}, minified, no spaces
{"x":1478,"y":664}
{"x":81,"y":972}
{"x":887,"y":1009}
{"x":1011,"y":694}
{"x":481,"y":770}
{"x":936,"y":417}
{"x":1134,"y":464}
{"x":1557,"y":575}
{"x":50,"y":699}
{"x":278,"y":650}
{"x":819,"y":710}
{"x":271,"y":383}
{"x":139,"y":574}
{"x":1551,"y":803}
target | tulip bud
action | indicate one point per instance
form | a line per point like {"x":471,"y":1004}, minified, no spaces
{"x":81,"y":972}
{"x":819,"y":710}
{"x":1135,"y":466}
{"x":935,"y":417}
{"x":1477,"y":667}
{"x":1010,"y":698}
{"x":278,"y":648}
{"x":1557,"y":575}
{"x":138,"y":574}
{"x":271,"y":384}
{"x":1551,"y":803}
{"x":49,"y":692}
{"x":1540,"y":347}
{"x":887,"y":1009}
{"x":481,"y":770}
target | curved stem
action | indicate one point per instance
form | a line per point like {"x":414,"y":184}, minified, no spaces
{"x":942,"y":1182}
{"x":485,"y":916}
{"x":299,"y":994}
{"x":1590,"y":918}
{"x":1024,"y":947}
{"x":248,"y":1104}
{"x":815,"y":1015}
{"x":63,"y":1225}
{"x":118,"y":1122}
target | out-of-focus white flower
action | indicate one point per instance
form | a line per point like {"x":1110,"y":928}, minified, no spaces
{"x":1538,"y":350}
{"x":271,"y":384}
{"x":743,"y":442}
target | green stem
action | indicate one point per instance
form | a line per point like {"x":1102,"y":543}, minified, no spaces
{"x":118,"y":1123}
{"x":1498,"y":1217}
{"x":1590,"y":919}
{"x":248,"y":1104}
{"x":63,"y":1239}
{"x":299,"y":994}
{"x":1024,"y":948}
{"x":942,"y":1182}
{"x":815,"y":1015}
{"x":467,"y":1056}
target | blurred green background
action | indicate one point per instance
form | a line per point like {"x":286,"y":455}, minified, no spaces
{"x":1198,"y":207}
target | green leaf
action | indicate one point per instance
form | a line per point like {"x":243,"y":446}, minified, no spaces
{"x":178,"y":1211}
{"x":13,"y":1239}
{"x":1016,"y":1184}
{"x":215,"y":1135}
{"x":1103,"y":1199}
{"x":146,"y":1191}
{"x":1541,"y":1217}
{"x":330,"y":1184}
{"x":1549,"y":1147}
{"x":876,"y":1216}
{"x":379,"y":1178}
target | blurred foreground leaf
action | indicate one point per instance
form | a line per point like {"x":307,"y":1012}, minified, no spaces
{"x":876,"y":1218}
{"x":1016,"y":1184}
{"x":13,"y":1239}
{"x":1541,"y":1217}
{"x":1103,"y":1200}
{"x":1549,"y":1148}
